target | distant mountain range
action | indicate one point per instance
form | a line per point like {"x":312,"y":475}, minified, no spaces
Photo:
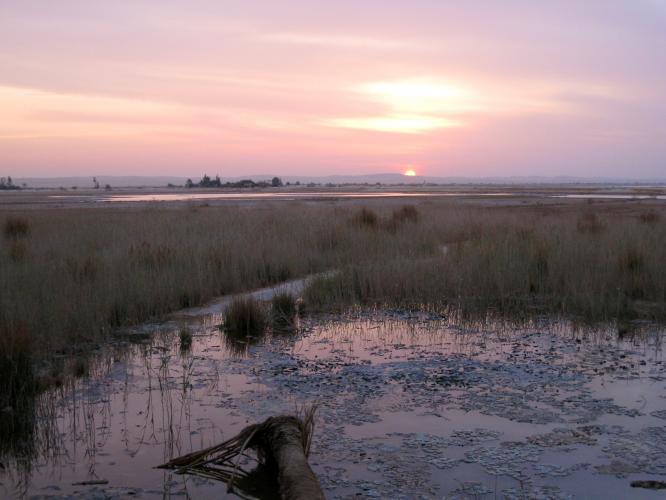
{"x":388,"y":178}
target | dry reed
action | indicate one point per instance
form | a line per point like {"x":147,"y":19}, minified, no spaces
{"x":82,"y":273}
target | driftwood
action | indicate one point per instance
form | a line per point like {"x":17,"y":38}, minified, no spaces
{"x":282,"y":445}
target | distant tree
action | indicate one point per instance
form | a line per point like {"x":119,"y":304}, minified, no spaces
{"x":189,"y":183}
{"x":7,"y":183}
{"x":107,"y":187}
{"x":276,"y":182}
{"x":95,"y":183}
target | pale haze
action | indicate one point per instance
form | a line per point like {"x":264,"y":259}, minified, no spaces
{"x":477,"y":88}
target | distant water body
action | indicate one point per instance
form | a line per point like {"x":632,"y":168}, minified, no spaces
{"x":279,"y":196}
{"x":174,"y":197}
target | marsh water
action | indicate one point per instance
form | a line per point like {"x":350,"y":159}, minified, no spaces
{"x":409,"y":406}
{"x":285,"y":196}
{"x":158,"y":197}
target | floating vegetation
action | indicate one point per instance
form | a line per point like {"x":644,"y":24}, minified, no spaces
{"x":650,"y":485}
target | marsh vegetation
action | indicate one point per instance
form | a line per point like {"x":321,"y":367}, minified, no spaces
{"x":71,"y":276}
{"x":72,"y":279}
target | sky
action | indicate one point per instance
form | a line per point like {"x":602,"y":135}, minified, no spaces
{"x":295,"y":87}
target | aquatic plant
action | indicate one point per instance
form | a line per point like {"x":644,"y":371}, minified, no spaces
{"x":91,"y":271}
{"x":283,"y":311}
{"x":246,"y":316}
{"x":185,"y":337}
{"x":519,"y":264}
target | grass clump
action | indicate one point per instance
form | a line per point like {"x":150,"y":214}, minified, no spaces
{"x":649,"y":217}
{"x":246,"y":316}
{"x":284,"y":309}
{"x":185,"y":336}
{"x":17,"y":378}
{"x":406,"y":213}
{"x":366,"y":218}
{"x":16,"y":227}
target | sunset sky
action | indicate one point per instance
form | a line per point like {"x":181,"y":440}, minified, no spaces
{"x":475,"y":88}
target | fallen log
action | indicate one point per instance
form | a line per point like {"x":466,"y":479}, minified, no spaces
{"x":282,"y":444}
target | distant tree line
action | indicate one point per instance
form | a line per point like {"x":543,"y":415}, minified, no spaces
{"x":208,"y":182}
{"x":7,"y":183}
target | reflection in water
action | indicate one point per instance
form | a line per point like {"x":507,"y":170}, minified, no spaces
{"x":281,"y":196}
{"x":262,"y":196}
{"x":374,"y":377}
{"x":601,"y":196}
{"x":291,"y":196}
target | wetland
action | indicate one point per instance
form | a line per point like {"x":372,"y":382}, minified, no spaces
{"x":454,"y":348}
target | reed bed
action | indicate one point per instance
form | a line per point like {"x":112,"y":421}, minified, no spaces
{"x":75,"y":275}
{"x":72,"y":276}
{"x":598,"y":265}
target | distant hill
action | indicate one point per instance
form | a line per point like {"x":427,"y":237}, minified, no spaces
{"x":387,"y":178}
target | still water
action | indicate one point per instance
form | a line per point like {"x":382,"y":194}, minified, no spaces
{"x":409,"y":406}
{"x":279,"y":196}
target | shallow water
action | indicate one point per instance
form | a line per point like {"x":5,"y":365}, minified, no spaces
{"x":303,"y":196}
{"x":280,"y":196}
{"x":409,"y":407}
{"x":601,"y":196}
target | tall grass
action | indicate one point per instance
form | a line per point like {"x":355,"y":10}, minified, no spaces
{"x":284,"y":309}
{"x":245,"y":316}
{"x":16,"y":227}
{"x":81,"y":273}
{"x":600,"y":266}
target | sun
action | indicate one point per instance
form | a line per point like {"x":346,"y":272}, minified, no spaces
{"x":410,"y":173}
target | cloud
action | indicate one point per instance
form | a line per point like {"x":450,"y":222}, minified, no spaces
{"x":420,"y":105}
{"x":341,"y":41}
{"x":406,"y":124}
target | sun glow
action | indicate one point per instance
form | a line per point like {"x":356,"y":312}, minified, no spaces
{"x":413,"y":106}
{"x":410,"y":172}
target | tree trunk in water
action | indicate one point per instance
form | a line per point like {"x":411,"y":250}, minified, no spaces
{"x":282,"y":442}
{"x":285,"y":441}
